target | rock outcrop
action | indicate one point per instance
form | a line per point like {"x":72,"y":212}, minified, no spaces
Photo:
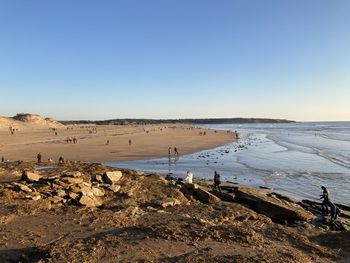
{"x":70,"y":187}
{"x":223,"y":196}
{"x":199,"y":193}
{"x":30,"y":177}
{"x":112,"y":177}
{"x":274,"y":208}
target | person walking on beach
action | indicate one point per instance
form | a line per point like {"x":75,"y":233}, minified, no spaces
{"x":107,"y":142}
{"x":176,"y":153}
{"x":129,"y":141}
{"x":217,"y":181}
{"x":326,"y":202}
{"x":169,"y":152}
{"x":2,"y":159}
{"x":38,"y":157}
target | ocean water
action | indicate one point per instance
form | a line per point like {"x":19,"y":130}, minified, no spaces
{"x":295,"y":159}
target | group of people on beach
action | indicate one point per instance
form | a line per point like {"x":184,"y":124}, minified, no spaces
{"x":170,"y":153}
{"x":49,"y":160}
{"x":12,"y":130}
{"x":70,"y":140}
{"x":216,"y":180}
{"x":328,"y":207}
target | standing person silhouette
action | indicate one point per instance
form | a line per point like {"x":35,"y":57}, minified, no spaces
{"x":176,"y":153}
{"x":38,"y":157}
{"x":217,"y":181}
{"x":169,"y":152}
{"x":326,"y":202}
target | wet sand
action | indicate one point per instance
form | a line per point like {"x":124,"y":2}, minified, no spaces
{"x":147,"y":142}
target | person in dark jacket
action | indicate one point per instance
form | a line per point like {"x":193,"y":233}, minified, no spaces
{"x":217,"y":181}
{"x":326,"y":202}
{"x":38,"y":157}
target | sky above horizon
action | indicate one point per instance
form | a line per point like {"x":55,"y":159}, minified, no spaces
{"x":109,"y":59}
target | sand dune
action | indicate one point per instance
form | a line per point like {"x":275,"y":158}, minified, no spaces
{"x":28,"y":121}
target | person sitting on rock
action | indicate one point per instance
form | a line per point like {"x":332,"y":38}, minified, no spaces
{"x":326,"y":202}
{"x":217,"y":181}
{"x":189,"y":177}
{"x":61,"y":160}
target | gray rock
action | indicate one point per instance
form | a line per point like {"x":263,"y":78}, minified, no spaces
{"x":22,"y":187}
{"x":36,"y":197}
{"x":90,"y":201}
{"x":30,"y":177}
{"x":87,"y":191}
{"x":112,"y":177}
{"x":114,"y":188}
{"x":98,"y":178}
{"x":98,"y":192}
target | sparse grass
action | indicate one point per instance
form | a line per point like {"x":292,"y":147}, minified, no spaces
{"x":346,"y":212}
{"x":204,"y":184}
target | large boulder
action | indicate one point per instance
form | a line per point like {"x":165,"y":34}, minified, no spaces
{"x":199,"y":193}
{"x":223,"y":196}
{"x":274,"y":208}
{"x":112,"y":177}
{"x":206,"y":197}
{"x":86,"y":190}
{"x":30,"y":177}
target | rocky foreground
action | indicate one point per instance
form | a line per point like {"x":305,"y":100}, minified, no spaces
{"x":81,"y":212}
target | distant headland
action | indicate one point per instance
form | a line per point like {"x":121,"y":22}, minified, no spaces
{"x":183,"y":121}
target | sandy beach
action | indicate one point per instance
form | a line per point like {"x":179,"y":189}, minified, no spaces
{"x":147,"y":142}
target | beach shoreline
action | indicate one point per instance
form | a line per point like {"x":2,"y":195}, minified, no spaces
{"x":109,"y":143}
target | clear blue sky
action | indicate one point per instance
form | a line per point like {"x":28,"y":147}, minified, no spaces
{"x":175,"y":58}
